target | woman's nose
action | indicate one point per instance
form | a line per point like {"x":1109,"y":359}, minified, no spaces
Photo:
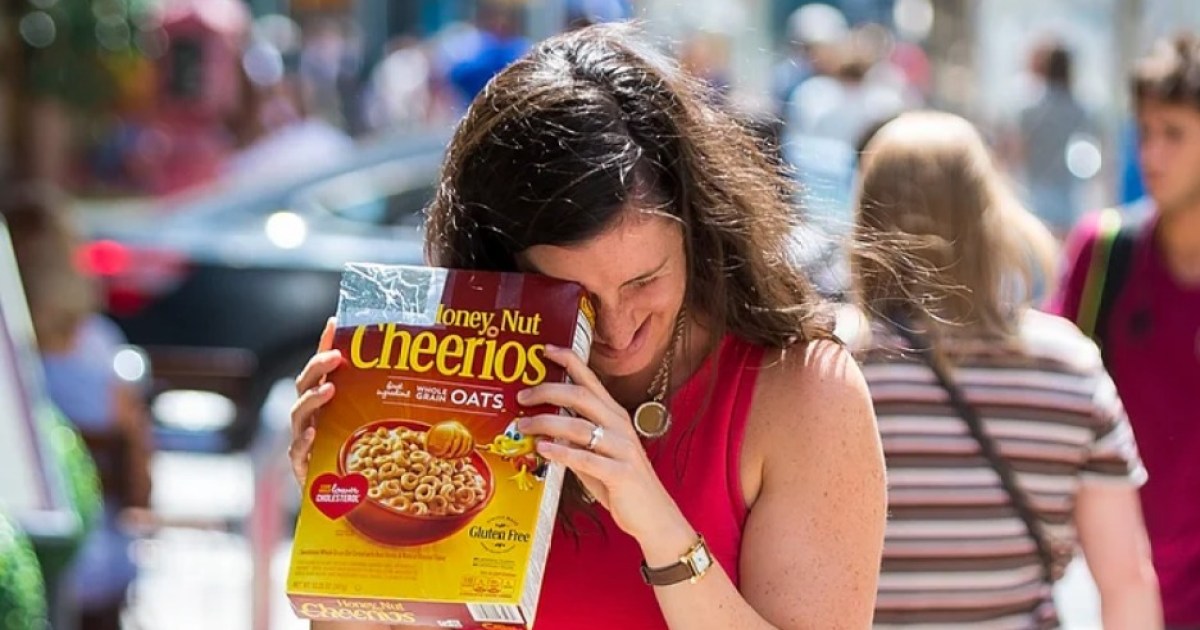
{"x":613,"y":328}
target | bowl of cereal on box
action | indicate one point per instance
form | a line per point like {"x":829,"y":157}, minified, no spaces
{"x":424,"y":482}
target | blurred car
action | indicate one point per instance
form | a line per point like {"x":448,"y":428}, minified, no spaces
{"x":228,"y":290}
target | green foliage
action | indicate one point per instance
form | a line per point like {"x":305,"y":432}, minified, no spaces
{"x":22,"y":593}
{"x":82,"y":485}
{"x":73,"y":47}
{"x":83,"y":480}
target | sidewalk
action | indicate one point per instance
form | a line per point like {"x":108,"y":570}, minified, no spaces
{"x":185,"y":570}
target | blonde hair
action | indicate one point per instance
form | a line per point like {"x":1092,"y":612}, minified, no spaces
{"x":973,"y":252}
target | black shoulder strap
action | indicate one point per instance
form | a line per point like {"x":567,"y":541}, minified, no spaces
{"x":1119,"y":262}
{"x":988,"y":447}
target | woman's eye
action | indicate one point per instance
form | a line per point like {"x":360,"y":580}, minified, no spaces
{"x":644,"y":282}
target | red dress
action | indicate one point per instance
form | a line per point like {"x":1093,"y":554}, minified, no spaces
{"x":594,"y":582}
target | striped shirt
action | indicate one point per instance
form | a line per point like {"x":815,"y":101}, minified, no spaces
{"x":956,"y":553}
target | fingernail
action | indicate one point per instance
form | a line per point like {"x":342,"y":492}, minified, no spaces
{"x":546,"y":447}
{"x":552,"y":348}
{"x":523,"y":396}
{"x":324,"y":389}
{"x":523,"y":424}
{"x":310,"y":433}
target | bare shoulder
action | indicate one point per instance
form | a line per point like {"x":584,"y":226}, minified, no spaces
{"x":810,"y":388}
{"x":810,"y":402}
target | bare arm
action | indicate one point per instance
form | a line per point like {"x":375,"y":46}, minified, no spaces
{"x":1109,"y":520}
{"x":812,"y":545}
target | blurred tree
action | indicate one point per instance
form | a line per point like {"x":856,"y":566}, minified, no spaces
{"x":22,"y":593}
{"x":64,"y":55}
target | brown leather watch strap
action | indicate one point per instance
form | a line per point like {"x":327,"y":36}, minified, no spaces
{"x":691,"y":566}
{"x":668,"y":575}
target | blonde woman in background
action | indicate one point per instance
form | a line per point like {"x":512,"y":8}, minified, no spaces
{"x":1006,"y":443}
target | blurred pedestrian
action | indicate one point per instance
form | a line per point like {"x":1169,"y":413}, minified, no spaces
{"x":400,"y":95}
{"x":497,"y":43}
{"x":1046,"y":127}
{"x":329,"y":65}
{"x":78,"y":347}
{"x":278,"y":136}
{"x":842,"y":106}
{"x":1135,"y":287}
{"x":594,"y":159}
{"x":814,"y":33}
{"x":1005,"y":440}
{"x":827,"y":117}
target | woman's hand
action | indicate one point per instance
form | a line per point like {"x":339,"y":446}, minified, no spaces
{"x":616,"y":470}
{"x":313,"y":393}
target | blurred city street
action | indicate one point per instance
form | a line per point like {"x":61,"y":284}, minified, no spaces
{"x":183,"y":182}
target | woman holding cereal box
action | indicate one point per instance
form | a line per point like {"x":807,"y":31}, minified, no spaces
{"x":726,"y":468}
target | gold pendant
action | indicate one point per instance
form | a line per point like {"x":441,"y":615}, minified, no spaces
{"x":651,"y":419}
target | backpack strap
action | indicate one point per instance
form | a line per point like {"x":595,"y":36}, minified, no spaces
{"x":1120,"y":263}
{"x":1094,"y":284}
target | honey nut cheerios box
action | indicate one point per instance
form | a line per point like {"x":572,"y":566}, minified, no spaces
{"x":424,"y":506}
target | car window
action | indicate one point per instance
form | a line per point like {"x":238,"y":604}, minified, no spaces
{"x":389,"y":194}
{"x":401,"y":208}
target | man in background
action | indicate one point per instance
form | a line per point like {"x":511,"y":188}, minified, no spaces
{"x":1137,"y":291}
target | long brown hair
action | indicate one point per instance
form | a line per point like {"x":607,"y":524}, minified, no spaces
{"x":570,"y":136}
{"x":594,"y":122}
{"x":973,"y":252}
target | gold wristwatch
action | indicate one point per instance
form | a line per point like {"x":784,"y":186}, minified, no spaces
{"x":692,"y":566}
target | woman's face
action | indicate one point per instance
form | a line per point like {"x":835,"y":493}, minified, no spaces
{"x":636,"y":273}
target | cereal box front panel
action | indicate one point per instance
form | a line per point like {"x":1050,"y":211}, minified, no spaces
{"x":420,"y":488}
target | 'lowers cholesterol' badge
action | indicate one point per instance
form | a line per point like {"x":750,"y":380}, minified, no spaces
{"x":335,"y":496}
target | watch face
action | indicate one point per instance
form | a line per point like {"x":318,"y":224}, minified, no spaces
{"x":701,"y":561}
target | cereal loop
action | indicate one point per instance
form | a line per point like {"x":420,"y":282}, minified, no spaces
{"x":406,"y":477}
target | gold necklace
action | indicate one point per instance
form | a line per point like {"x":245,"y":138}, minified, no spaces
{"x":652,"y":419}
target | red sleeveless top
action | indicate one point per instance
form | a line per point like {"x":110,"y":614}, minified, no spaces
{"x":595,"y":582}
